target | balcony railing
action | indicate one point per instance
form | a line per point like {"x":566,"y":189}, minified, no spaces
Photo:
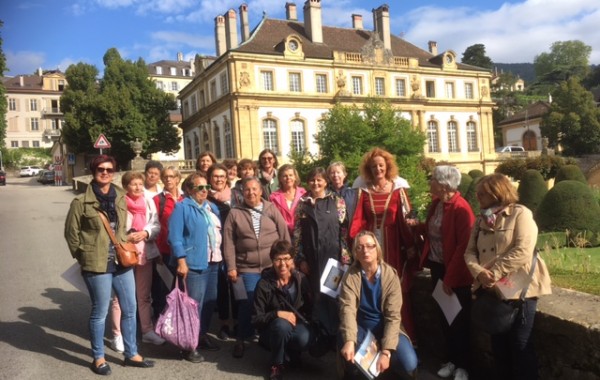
{"x":52,"y":111}
{"x":52,"y":133}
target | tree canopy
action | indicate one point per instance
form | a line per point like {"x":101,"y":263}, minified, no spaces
{"x":124,"y":105}
{"x":566,"y":59}
{"x":475,"y":55}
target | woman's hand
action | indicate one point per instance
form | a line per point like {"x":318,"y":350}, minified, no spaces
{"x":304,"y":268}
{"x":232,"y":275}
{"x":383,"y":362}
{"x":447,"y":289}
{"x":136,"y":237}
{"x":182,"y":268}
{"x":347,"y":351}
{"x":288,"y":316}
{"x":486,"y":278}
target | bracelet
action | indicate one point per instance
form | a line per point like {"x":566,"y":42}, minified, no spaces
{"x":386,"y":353}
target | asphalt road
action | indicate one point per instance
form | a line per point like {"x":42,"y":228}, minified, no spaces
{"x":43,"y":318}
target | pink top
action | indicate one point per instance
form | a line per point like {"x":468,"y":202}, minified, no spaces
{"x":288,"y":212}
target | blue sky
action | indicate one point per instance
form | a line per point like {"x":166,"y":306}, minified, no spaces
{"x":55,"y":34}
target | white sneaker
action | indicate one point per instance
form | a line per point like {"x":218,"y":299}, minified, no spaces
{"x":151,"y":337}
{"x":461,"y":374}
{"x":447,"y":370}
{"x":117,"y":344}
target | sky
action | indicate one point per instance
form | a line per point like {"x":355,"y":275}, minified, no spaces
{"x":54,"y":34}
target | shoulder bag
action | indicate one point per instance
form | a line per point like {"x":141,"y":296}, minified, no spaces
{"x":127,"y":254}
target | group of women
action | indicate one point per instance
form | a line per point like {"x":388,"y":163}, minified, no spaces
{"x":255,"y":247}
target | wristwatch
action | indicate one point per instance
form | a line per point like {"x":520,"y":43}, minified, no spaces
{"x":386,"y":353}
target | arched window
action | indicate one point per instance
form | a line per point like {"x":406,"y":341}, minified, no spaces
{"x":452,"y":137}
{"x":196,"y":145}
{"x":298,"y":143}
{"x":188,"y":149}
{"x":217,"y":136}
{"x":472,"y":136}
{"x":432,"y":137}
{"x":205,"y":140}
{"x":228,"y":140}
{"x":270,"y":135}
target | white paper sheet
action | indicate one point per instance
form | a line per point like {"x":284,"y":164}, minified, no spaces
{"x":331,"y":278}
{"x":73,"y":276}
{"x":449,"y":304}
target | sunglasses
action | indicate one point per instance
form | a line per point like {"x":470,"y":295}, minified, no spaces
{"x":201,"y":187}
{"x":105,"y":170}
{"x":365,"y":247}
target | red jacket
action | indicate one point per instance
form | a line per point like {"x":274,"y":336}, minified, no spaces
{"x":163,"y":218}
{"x":457,"y":222}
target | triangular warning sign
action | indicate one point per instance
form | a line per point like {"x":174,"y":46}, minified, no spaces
{"x":101,"y":142}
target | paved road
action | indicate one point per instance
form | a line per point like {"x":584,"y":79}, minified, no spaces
{"x":43,"y":319}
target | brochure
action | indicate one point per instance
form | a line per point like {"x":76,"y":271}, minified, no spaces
{"x":367,"y":356}
{"x":510,"y":287}
{"x":450,"y":305}
{"x":331,"y":278}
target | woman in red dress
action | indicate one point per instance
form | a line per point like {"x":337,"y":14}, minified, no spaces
{"x":381,"y":208}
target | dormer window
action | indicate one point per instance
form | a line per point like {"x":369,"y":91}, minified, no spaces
{"x":293,"y":47}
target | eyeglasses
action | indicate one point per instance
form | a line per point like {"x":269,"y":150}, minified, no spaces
{"x":365,"y":247}
{"x":271,"y":158}
{"x":280,"y":260}
{"x":105,"y":170}
{"x":202,"y":187}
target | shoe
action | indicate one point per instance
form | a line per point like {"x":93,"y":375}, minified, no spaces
{"x":103,"y":369}
{"x":139,"y":363}
{"x":293,"y":359}
{"x":206,"y":343}
{"x":461,"y":374}
{"x":193,"y":356}
{"x":276,"y":372}
{"x":224,"y":333}
{"x":447,"y":370}
{"x":255,"y":338}
{"x":117,"y":344}
{"x":152,"y":337}
{"x":238,"y":350}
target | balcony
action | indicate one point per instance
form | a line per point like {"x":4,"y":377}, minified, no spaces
{"x":53,"y":111}
{"x":52,"y":134}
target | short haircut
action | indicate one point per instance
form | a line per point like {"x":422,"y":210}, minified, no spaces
{"x":377,"y":246}
{"x":244,"y":181}
{"x":265,"y":151}
{"x":188,"y":183}
{"x":286,"y":167}
{"x":129,"y":176}
{"x":96,"y":161}
{"x":216,"y":167}
{"x":337,"y":164}
{"x":244,"y":163}
{"x":315,"y":172}
{"x":498,"y":187}
{"x":229,"y":163}
{"x":447,"y":175}
{"x":153,"y":165}
{"x":281,"y":247}
{"x":174,"y":169}
{"x":390,"y":163}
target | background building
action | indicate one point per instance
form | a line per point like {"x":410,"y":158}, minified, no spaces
{"x":272,"y":89}
{"x":523,"y":128}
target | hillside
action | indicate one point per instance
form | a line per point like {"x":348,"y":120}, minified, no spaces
{"x":524,"y":70}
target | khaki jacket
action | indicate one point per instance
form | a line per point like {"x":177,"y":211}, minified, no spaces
{"x":506,"y":247}
{"x":85,"y":234}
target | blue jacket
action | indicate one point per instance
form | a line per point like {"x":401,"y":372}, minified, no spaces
{"x":188,"y":234}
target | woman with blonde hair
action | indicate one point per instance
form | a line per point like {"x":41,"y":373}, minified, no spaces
{"x":286,"y":198}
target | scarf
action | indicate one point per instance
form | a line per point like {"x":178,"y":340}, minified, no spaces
{"x":489,"y":215}
{"x":266,"y":176}
{"x":107,"y":201}
{"x":212,"y":239}
{"x":137,"y":208}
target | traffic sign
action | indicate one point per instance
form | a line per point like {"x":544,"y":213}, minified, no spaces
{"x":101,"y":142}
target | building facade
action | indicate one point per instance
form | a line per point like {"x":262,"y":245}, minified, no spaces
{"x":523,"y":128}
{"x":273,"y":89}
{"x":34,"y":117}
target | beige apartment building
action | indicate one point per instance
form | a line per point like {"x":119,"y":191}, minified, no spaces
{"x":33,"y":116}
{"x":271,"y":89}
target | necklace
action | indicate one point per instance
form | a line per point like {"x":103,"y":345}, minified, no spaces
{"x":380,"y":189}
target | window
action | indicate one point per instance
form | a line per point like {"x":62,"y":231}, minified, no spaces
{"x":61,"y":85}
{"x":379,"y":86}
{"x":173,"y":71}
{"x":400,"y":87}
{"x":160,"y":85}
{"x":54,"y":124}
{"x":449,"y":90}
{"x":35,"y":124}
{"x":12,"y":104}
{"x":217,"y":136}
{"x":321,"y":83}
{"x":194,"y":104}
{"x":14,"y":144}
{"x":196,"y":145}
{"x":36,"y":144}
{"x":452,"y":137}
{"x":25,"y":144}
{"x":213,"y":90}
{"x":188,"y":149}
{"x":270,"y":135}
{"x":297,"y":128}
{"x":33,"y":104}
{"x":224,"y":84}
{"x":267,"y":80}
{"x":295,"y":85}
{"x":228,"y":140}
{"x":357,"y":85}
{"x":430,"y":89}
{"x":469,"y":90}
{"x":202,"y":100}
{"x":187,"y":72}
{"x":432,"y":137}
{"x":159,"y":70}
{"x":471,"y":137}
{"x":174,"y":86}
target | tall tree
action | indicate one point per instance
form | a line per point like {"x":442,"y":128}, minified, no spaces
{"x":573,"y":120}
{"x":124,"y":105}
{"x":475,"y":55}
{"x":565,"y":59}
{"x":3,"y":101}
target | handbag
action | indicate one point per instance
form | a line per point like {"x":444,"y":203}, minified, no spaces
{"x":179,"y":323}
{"x":127,"y":254}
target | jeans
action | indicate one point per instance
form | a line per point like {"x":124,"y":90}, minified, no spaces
{"x":404,"y":358}
{"x":513,"y":351}
{"x":202,"y":287}
{"x":100,"y":286}
{"x":245,"y":329}
{"x":280,"y":336}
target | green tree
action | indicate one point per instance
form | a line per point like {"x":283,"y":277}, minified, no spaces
{"x":573,"y":120}
{"x":3,"y":101}
{"x":124,"y":105}
{"x":565,"y":59}
{"x":475,"y":55}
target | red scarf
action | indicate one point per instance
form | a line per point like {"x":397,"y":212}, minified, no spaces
{"x":137,"y":208}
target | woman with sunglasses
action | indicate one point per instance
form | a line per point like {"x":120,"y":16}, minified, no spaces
{"x":195,"y":239}
{"x":267,"y":172}
{"x":90,"y":243}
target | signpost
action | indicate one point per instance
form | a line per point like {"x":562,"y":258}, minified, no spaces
{"x":101,"y":143}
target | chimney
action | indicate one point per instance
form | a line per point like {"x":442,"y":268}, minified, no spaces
{"x":244,"y":26}
{"x":312,"y":21}
{"x":433,"y":47}
{"x":21,"y":81}
{"x":39,"y":71}
{"x":357,"y":21}
{"x":381,"y":20}
{"x":290,"y":11}
{"x":220,"y":35}
{"x":231,"y":30}
{"x":179,"y":56}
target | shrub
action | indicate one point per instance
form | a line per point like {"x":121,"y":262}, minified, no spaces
{"x":471,"y":196}
{"x":570,"y":206}
{"x":532,"y":189}
{"x":476,"y":173}
{"x":465,"y":182}
{"x":547,"y":166}
{"x":570,"y":173}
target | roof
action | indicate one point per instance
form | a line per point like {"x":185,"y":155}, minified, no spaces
{"x":268,"y":36}
{"x":533,"y":111}
{"x":30,"y":82}
{"x":166,"y":64}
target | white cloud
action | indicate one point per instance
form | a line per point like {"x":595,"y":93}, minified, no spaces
{"x":23,"y":62}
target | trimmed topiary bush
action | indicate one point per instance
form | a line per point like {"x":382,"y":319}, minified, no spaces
{"x":465,"y":182}
{"x":476,"y":173}
{"x":570,"y":206}
{"x":532,"y":189}
{"x":471,"y":196}
{"x":570,"y":173}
